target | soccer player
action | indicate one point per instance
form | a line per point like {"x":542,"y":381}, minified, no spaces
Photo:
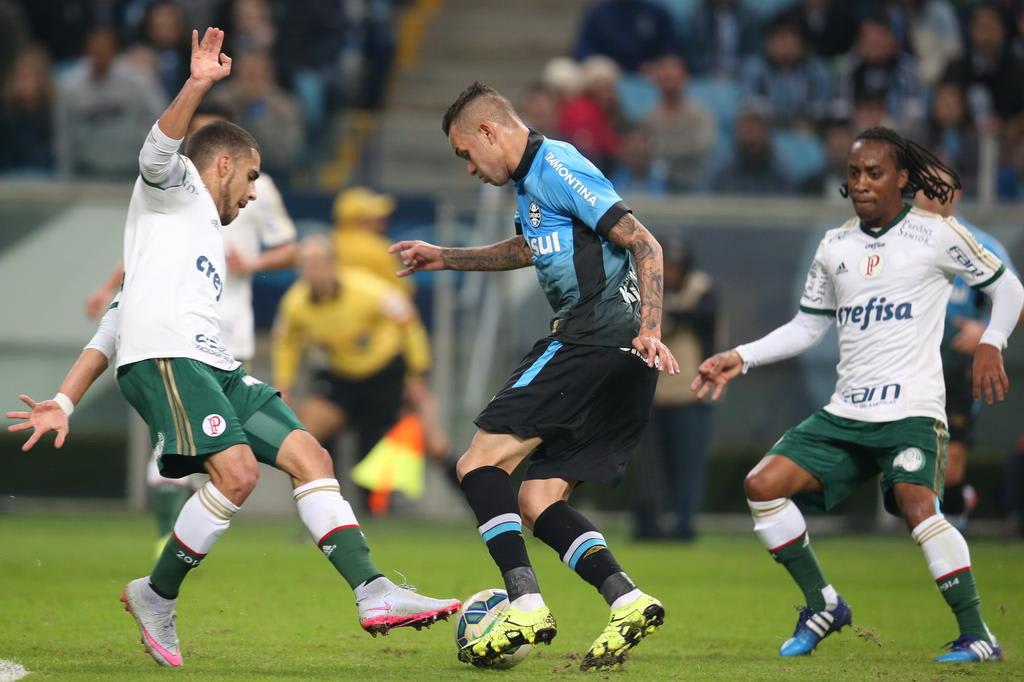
{"x":884,"y":277}
{"x":204,"y":412}
{"x":264,"y":223}
{"x":964,"y":327}
{"x":580,"y":400}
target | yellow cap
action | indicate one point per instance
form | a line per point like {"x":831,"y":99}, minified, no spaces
{"x":361,"y":203}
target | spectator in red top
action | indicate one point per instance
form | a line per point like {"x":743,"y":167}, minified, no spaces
{"x":592,"y":120}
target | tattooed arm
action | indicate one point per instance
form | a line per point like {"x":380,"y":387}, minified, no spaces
{"x":510,"y":254}
{"x":629,"y":233}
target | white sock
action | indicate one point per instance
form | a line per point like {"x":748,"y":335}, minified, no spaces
{"x":944,"y":547}
{"x":777,"y":522}
{"x":527,"y":602}
{"x":323,"y":509}
{"x":627,"y":599}
{"x":204,"y":518}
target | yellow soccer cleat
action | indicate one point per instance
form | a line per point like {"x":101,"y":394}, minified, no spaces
{"x":513,"y":628}
{"x":627,"y":626}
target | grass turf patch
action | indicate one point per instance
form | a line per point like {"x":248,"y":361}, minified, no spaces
{"x":265,"y":604}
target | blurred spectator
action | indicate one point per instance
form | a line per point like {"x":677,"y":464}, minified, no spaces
{"x":829,"y":26}
{"x":930,"y":30}
{"x":877,"y":68}
{"x":563,"y":77}
{"x":165,"y":33}
{"x":592,"y":120}
{"x":672,"y":465}
{"x":838,"y":137}
{"x":682,"y":130}
{"x":990,"y":73}
{"x":869,"y":112}
{"x":1011,"y":170}
{"x":722,"y":33}
{"x":360,"y":224}
{"x":14,"y":36}
{"x":539,"y":108}
{"x":794,"y":84}
{"x":63,"y":26}
{"x":252,"y":26}
{"x":632,"y":32}
{"x":637,"y":170}
{"x":753,"y":168}
{"x":265,"y":109}
{"x":105,"y":108}
{"x":951,"y":135}
{"x":26,"y":114}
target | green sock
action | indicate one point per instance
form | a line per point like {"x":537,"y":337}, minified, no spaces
{"x":175,"y":561}
{"x":961,"y":594}
{"x":799,"y":560}
{"x":348,"y":552}
{"x":167,"y":500}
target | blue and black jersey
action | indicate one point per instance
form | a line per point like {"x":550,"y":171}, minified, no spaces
{"x":564,"y":209}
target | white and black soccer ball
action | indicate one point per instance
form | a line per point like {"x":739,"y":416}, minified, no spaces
{"x":477,"y":616}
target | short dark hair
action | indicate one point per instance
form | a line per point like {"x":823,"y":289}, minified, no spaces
{"x":208,"y":141}
{"x":473,"y":92}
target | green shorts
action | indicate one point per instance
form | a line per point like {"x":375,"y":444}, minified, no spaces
{"x":194,"y":410}
{"x":843,"y":453}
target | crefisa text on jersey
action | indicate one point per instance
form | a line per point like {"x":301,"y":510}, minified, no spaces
{"x":876,"y":310}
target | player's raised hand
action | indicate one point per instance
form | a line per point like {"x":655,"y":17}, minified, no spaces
{"x":989,"y":374}
{"x":656,"y":354}
{"x":715,"y":373}
{"x":209,"y":64}
{"x":44,"y":417}
{"x":416,"y":256}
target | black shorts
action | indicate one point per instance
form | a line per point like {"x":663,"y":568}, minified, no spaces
{"x":590,"y":405}
{"x":371,"y":405}
{"x":960,"y":404}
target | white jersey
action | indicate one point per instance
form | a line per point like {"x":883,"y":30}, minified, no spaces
{"x":265,"y":223}
{"x":888,"y":291}
{"x":174,"y":265}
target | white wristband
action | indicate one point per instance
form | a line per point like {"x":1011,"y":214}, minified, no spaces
{"x":65,"y":403}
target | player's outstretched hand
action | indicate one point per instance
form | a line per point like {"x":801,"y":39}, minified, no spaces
{"x":209,"y":64}
{"x":656,"y":354}
{"x":989,"y":375}
{"x":45,"y":416}
{"x":715,"y":373}
{"x":417,"y":256}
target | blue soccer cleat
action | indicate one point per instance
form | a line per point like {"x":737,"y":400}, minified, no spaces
{"x":971,"y":649}
{"x":813,"y":626}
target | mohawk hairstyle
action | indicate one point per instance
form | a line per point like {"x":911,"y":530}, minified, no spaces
{"x":469,"y":95}
{"x":924,"y":169}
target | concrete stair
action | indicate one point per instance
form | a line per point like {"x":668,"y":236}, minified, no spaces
{"x":506,"y":45}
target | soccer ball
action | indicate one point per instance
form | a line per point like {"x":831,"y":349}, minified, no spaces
{"x":477,"y":616}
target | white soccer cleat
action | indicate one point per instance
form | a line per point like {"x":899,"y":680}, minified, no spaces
{"x":383,"y":605}
{"x":155,"y":618}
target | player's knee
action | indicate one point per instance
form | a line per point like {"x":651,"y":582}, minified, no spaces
{"x":466,"y":463}
{"x":531,"y":507}
{"x":239,"y":480}
{"x":916,"y":503}
{"x":759,"y":487}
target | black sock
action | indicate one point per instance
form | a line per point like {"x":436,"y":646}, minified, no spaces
{"x":953,"y":500}
{"x":583,"y":549}
{"x":489,"y":492}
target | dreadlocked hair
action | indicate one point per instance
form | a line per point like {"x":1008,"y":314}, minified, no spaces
{"x":924,"y":169}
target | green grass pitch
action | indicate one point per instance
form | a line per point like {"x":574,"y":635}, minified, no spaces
{"x":265,"y":605}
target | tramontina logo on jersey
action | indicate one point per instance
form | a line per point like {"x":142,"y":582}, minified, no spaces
{"x":884,"y":394}
{"x":876,"y":310}
{"x":535,"y":215}
{"x":871,"y":265}
{"x":544,"y":245}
